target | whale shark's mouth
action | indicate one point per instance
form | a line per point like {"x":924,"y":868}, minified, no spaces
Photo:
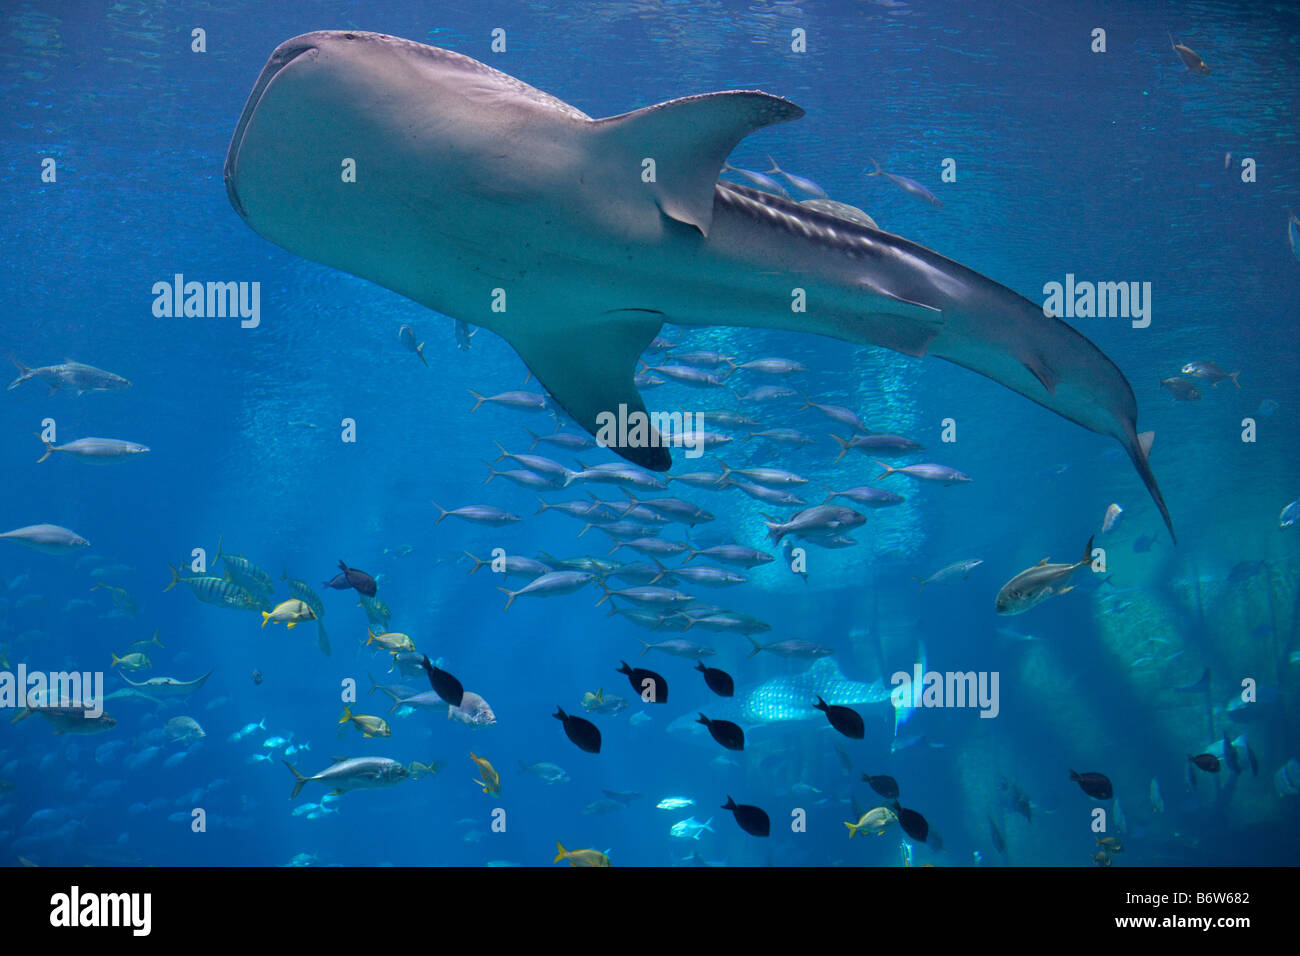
{"x":282,"y":57}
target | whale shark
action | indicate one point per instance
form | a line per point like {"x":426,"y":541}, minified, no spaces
{"x":789,"y":697}
{"x":575,"y":239}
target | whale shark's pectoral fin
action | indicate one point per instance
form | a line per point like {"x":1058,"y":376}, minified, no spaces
{"x":588,"y":371}
{"x":689,"y":140}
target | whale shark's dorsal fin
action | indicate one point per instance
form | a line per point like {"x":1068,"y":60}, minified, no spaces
{"x":826,"y":668}
{"x":689,"y":139}
{"x":600,"y":380}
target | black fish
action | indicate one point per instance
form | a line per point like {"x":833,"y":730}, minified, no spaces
{"x":444,"y":685}
{"x":352,"y":578}
{"x":999,"y":844}
{"x":257,"y":677}
{"x":886,"y":786}
{"x":913,"y":823}
{"x":844,"y":719}
{"x":1254,"y":766}
{"x":1231,"y":754}
{"x":1094,"y":784}
{"x":655,"y":692}
{"x":725,"y":732}
{"x":719,"y":682}
{"x":753,"y":820}
{"x":582,"y":732}
{"x":1207,"y":762}
{"x":1245,"y":570}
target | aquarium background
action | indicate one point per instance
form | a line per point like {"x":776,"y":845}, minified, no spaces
{"x":1108,"y":166}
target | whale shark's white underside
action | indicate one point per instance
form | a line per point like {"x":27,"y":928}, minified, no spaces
{"x":470,"y":181}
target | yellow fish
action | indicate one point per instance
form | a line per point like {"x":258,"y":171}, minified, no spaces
{"x":391,"y":640}
{"x":132,"y":662}
{"x":290,"y":612}
{"x":418,"y":770}
{"x":369,"y":726}
{"x":491,"y":782}
{"x":580,"y":857}
{"x":879,"y":820}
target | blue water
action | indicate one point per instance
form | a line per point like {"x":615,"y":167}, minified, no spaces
{"x":1108,"y":166}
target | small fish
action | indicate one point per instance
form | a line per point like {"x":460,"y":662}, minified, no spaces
{"x":674,"y":803}
{"x":1095,"y":785}
{"x":406,"y":335}
{"x":1100,"y":858}
{"x":801,"y":650}
{"x":47,"y":538}
{"x":1210,"y":372}
{"x":444,"y":685}
{"x":844,"y":719}
{"x":580,"y":857}
{"x":724,"y":732}
{"x":876,"y":821}
{"x":491,"y":782}
{"x":73,"y":375}
{"x":96,"y":451}
{"x":913,"y":824}
{"x":519,"y":401}
{"x":1267,"y":407}
{"x":582,"y":732}
{"x":1035,"y":585}
{"x":257,"y":676}
{"x":1207,"y":762}
{"x":718,"y":681}
{"x":1111,"y":844}
{"x":647,"y":684}
{"x":884,"y":785}
{"x":368,"y":725}
{"x":758,"y":180}
{"x":1181,"y":389}
{"x":753,"y":820}
{"x":940,"y":474}
{"x":690,"y":828}
{"x":962,"y":568}
{"x":353,"y":578}
{"x":1290,"y":515}
{"x":798,"y":182}
{"x":289,"y":613}
{"x":909,"y":186}
{"x":1190,"y":58}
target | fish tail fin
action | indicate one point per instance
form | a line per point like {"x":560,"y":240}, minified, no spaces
{"x":562,"y":852}
{"x":24,"y":373}
{"x":347,"y":714}
{"x":441,"y":509}
{"x":21,"y":715}
{"x":116,"y":660}
{"x":510,"y":596}
{"x":49,"y":448}
{"x":853,"y":830}
{"x":877,"y":165}
{"x":480,"y":399}
{"x":265,"y":617}
{"x":477,"y":563}
{"x":645,"y":648}
{"x":419,"y":350}
{"x":176,"y":576}
{"x":844,"y":445}
{"x":757,"y":646}
{"x":889,"y":469}
{"x":501,"y":448}
{"x":920,"y":581}
{"x":1233,"y":376}
{"x":299,"y":780}
{"x":1087,"y":552}
{"x":492,"y":472}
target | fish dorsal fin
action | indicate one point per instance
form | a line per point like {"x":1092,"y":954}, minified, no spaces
{"x":1042,"y":562}
{"x":826,"y":668}
{"x":689,"y":139}
{"x":589,"y":372}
